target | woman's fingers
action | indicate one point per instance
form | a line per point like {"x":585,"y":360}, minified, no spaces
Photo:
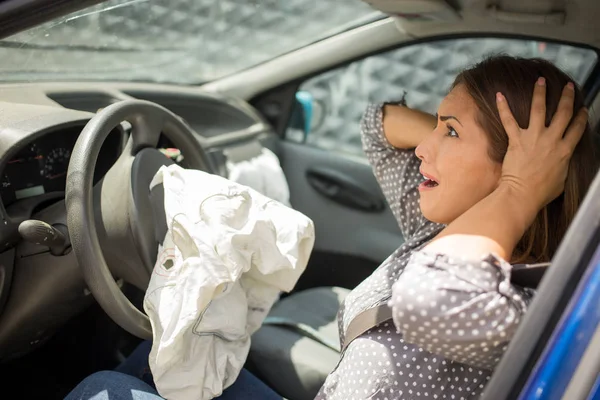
{"x":576,"y":129}
{"x":562,"y":126}
{"x":537,"y":117}
{"x":508,"y":120}
{"x":564,"y":111}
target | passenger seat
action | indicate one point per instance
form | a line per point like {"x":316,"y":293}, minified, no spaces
{"x":298,"y":345}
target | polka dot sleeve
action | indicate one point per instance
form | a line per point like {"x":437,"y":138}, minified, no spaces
{"x":463,"y":310}
{"x":396,"y":170}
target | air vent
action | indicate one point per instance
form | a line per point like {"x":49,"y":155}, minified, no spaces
{"x":83,"y":101}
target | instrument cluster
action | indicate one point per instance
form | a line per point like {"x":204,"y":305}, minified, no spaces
{"x":41,"y":166}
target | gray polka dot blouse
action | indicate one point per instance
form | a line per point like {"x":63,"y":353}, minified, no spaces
{"x":452,"y":318}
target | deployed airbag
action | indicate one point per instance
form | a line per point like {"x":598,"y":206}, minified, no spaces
{"x":228,"y":254}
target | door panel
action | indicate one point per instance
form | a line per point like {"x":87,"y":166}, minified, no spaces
{"x":340,"y":229}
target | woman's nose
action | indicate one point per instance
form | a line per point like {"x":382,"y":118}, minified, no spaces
{"x":422,"y":150}
{"x":426,"y":149}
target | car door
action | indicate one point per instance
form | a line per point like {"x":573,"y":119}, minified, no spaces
{"x":330,"y":180}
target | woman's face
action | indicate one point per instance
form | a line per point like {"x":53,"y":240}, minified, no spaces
{"x":455,"y":161}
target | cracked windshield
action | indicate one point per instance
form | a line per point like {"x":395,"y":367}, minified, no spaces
{"x":184,"y":41}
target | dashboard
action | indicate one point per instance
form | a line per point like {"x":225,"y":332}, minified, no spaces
{"x":39,"y":126}
{"x":40,"y":166}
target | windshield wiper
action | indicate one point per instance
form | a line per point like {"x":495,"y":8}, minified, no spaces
{"x":9,"y":44}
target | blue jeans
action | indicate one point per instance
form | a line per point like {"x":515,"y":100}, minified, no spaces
{"x":132,"y":380}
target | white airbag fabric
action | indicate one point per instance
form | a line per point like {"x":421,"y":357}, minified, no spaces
{"x":228,"y":254}
{"x":262,"y":173}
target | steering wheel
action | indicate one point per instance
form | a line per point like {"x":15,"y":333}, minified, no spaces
{"x":115,"y":226}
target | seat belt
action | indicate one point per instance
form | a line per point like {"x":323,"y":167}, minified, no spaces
{"x":366,"y":320}
{"x":524,"y":275}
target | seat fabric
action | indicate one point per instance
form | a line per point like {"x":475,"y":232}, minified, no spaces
{"x":289,"y":361}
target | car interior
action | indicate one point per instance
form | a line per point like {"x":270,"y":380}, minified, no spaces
{"x":70,"y":148}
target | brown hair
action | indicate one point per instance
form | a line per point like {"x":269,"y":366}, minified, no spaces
{"x":515,"y":78}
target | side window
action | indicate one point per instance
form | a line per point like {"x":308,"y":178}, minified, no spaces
{"x":329,"y":106}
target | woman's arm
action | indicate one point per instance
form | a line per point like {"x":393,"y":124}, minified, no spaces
{"x":494,"y":225}
{"x":396,"y":169}
{"x":404,"y":127}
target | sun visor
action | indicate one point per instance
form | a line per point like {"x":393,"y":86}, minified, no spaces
{"x":417,"y":10}
{"x":572,"y":21}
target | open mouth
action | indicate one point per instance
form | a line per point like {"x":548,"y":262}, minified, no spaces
{"x":429,"y":182}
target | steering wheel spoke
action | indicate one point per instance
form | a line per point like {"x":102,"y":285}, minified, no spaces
{"x":146,"y":130}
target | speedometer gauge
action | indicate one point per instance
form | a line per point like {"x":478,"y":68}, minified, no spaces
{"x":57,"y":163}
{"x":30,"y":155}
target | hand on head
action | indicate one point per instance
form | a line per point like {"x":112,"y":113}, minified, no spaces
{"x":537,"y":158}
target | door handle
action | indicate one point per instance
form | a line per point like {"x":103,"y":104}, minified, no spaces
{"x":343,"y":189}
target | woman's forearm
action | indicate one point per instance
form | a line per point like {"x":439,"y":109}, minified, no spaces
{"x":494,"y":225}
{"x":405,"y":128}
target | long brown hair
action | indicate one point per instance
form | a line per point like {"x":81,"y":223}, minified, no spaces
{"x":515,"y":78}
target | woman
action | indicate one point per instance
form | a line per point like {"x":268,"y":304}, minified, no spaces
{"x":477,"y":193}
{"x":495,"y":178}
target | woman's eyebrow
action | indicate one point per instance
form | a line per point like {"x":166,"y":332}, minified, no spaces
{"x":445,"y":118}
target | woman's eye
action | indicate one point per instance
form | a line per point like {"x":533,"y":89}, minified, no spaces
{"x":452,"y":132}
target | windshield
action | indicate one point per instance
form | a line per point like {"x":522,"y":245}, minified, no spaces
{"x":176,"y":41}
